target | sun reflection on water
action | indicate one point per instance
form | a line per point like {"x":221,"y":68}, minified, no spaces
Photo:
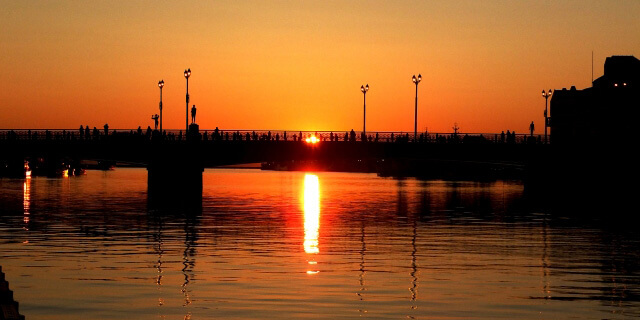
{"x":311,"y":217}
{"x":311,"y":213}
{"x":26,"y":201}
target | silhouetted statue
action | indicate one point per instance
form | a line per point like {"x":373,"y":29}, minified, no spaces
{"x":155,"y":118}
{"x":531,"y":128}
{"x":193,"y":114}
{"x":106,"y":129}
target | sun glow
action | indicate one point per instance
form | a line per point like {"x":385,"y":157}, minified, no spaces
{"x":312,"y":140}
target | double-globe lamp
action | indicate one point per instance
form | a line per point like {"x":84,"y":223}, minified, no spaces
{"x":546,"y":96}
{"x":160,"y":85}
{"x":415,"y":123}
{"x":187,"y":74}
{"x":364,"y":90}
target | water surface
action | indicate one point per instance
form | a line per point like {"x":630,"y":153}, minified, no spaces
{"x":293,"y":245}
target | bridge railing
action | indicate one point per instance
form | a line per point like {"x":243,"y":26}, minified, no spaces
{"x":267,"y":135}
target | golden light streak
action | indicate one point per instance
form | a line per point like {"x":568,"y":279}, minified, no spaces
{"x":311,"y":213}
{"x":26,"y":201}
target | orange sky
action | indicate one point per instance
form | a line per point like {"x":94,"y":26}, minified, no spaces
{"x":298,"y":65}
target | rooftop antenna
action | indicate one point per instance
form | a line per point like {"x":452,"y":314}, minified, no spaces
{"x":592,"y":67}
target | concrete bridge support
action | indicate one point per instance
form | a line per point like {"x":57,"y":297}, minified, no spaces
{"x":174,"y":184}
{"x":174,"y":176}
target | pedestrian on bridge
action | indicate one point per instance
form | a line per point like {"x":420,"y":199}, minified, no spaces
{"x":106,"y":129}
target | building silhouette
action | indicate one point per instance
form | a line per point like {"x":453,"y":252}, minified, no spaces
{"x":603,"y":113}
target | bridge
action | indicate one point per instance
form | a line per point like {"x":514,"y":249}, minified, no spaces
{"x":212,"y":148}
{"x":176,"y":159}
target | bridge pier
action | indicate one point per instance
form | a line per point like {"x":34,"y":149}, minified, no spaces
{"x":174,"y":174}
{"x":174,"y":184}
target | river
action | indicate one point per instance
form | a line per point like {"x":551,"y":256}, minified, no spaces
{"x":296,"y":245}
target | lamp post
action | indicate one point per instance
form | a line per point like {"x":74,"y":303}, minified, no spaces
{"x":160,"y":85}
{"x":187,"y":74}
{"x":415,"y":122}
{"x":364,"y":90}
{"x":546,"y":96}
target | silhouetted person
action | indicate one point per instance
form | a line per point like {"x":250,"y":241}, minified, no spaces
{"x":81,"y":131}
{"x":193,"y":114}
{"x":531,"y":128}
{"x":106,"y":129}
{"x":87,"y":132}
{"x":352,"y":135}
{"x":139,"y":130}
{"x":502,"y":136}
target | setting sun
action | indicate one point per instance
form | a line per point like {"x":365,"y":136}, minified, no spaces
{"x":312,"y":139}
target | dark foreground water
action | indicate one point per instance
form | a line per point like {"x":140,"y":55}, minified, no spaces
{"x":290,"y":245}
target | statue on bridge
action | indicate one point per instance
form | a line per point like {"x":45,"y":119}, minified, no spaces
{"x":193,"y":114}
{"x":531,"y":128}
{"x":155,"y":118}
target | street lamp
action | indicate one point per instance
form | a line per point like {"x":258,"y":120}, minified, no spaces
{"x":415,"y":122}
{"x":160,"y":85}
{"x":364,"y":90}
{"x":187,"y":74}
{"x":546,"y":96}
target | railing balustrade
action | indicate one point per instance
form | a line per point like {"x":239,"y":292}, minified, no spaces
{"x":268,"y":135}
